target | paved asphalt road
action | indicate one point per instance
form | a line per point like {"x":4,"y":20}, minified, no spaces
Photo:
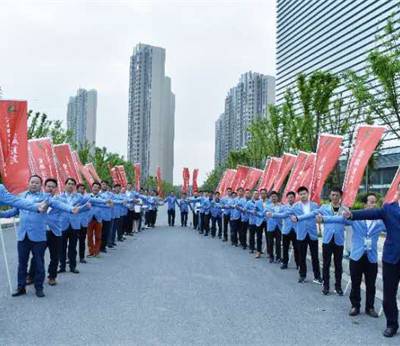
{"x":172,"y":286}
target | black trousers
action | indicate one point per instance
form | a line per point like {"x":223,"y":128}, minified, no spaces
{"x":69,"y":242}
{"x":313,"y":245}
{"x":235,"y":228}
{"x":171,"y":217}
{"x":184,"y":217}
{"x":274,"y":242}
{"x":214,"y":222}
{"x":54,"y":243}
{"x":391,"y":279}
{"x":129,"y":222}
{"x":82,"y":242}
{"x":195,"y":220}
{"x":120,"y":227}
{"x":206,"y":220}
{"x":104,"y":234}
{"x":140,"y":222}
{"x":252,"y":237}
{"x":259,"y":236}
{"x":147,"y":218}
{"x":243,"y":234}
{"x":327,"y":251}
{"x":226,"y":224}
{"x":152,"y":218}
{"x":286,"y":240}
{"x":370,"y":271}
{"x":201,"y":220}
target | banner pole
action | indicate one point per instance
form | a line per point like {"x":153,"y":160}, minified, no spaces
{"x":3,"y":245}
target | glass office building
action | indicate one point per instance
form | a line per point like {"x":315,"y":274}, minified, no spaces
{"x":334,"y":36}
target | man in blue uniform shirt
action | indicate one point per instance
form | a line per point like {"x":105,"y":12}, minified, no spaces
{"x":216,"y":216}
{"x":183,"y":204}
{"x":274,"y":227}
{"x":390,"y":215}
{"x":171,"y":201}
{"x":226,"y":211}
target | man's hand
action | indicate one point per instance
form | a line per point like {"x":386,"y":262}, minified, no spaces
{"x":110,"y":203}
{"x":347,"y":214}
{"x":75,"y":210}
{"x":294,"y":219}
{"x":89,"y":205}
{"x":269,"y":213}
{"x":42,"y":207}
{"x":319,"y":218}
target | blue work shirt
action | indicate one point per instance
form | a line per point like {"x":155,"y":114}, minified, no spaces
{"x":284,"y":214}
{"x":251,"y":210}
{"x":274,"y":223}
{"x":306,"y":226}
{"x":72,"y":199}
{"x":216,"y":208}
{"x":183,"y":205}
{"x":261,"y":207}
{"x":234,"y":205}
{"x":171,"y":201}
{"x":225,"y":205}
{"x":6,"y":198}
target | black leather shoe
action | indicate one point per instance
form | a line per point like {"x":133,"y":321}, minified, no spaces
{"x":39,"y":293}
{"x":339,"y":291}
{"x":371,"y":312}
{"x":61,"y":270}
{"x":271,"y":260}
{"x":19,"y":292}
{"x":354,"y":311}
{"x":284,"y":266}
{"x":82,"y":261}
{"x":301,"y":280}
{"x":74,"y":270}
{"x":325,"y":291}
{"x":389,"y":332}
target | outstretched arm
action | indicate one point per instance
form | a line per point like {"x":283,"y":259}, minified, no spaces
{"x":368,"y":214}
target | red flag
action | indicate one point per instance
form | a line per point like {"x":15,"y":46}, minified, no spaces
{"x":252,"y":178}
{"x":122,"y":175}
{"x":77,"y":162}
{"x":195,"y":175}
{"x":273,"y":172}
{"x":114,"y":175}
{"x":391,"y":193}
{"x":366,"y":139}
{"x":221,"y":184}
{"x":137,"y":169}
{"x":64,"y":156}
{"x":295,"y":175}
{"x":228,"y":179}
{"x":82,"y":169}
{"x":263,"y":180}
{"x":14,"y":166}
{"x":159,"y":182}
{"x":287,"y":163}
{"x":186,"y":179}
{"x":328,"y":153}
{"x":41,"y":158}
{"x":308,"y":171}
{"x":240,"y":177}
{"x":93,"y":172}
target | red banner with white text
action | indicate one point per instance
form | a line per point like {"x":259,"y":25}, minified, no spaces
{"x":77,"y":163}
{"x":366,"y":139}
{"x":114,"y":175}
{"x":195,"y":175}
{"x":137,"y":169}
{"x":64,"y":156}
{"x":41,"y":159}
{"x":228,"y":180}
{"x":240,"y":177}
{"x":295,"y":175}
{"x":308,"y":172}
{"x":328,"y":153}
{"x":252,"y":178}
{"x":122,"y":175}
{"x":93,"y":172}
{"x":265,"y":175}
{"x":14,"y":168}
{"x":186,"y":179}
{"x":287,"y":163}
{"x":391,"y":193}
{"x":273,"y":172}
{"x":159,"y":182}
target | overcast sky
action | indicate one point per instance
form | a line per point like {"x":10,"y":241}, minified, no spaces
{"x":51,"y":48}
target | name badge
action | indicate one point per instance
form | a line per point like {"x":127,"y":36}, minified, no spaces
{"x":368,"y":243}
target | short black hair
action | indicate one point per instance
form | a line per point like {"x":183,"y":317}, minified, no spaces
{"x":70,"y":179}
{"x":96,"y":183}
{"x":36,"y":176}
{"x":51,"y":180}
{"x":234,"y":192}
{"x":229,"y":188}
{"x":117,"y":185}
{"x":274,"y":193}
{"x":291,"y":193}
{"x":239,"y":188}
{"x":217,"y":192}
{"x":337,"y":189}
{"x":302,"y":188}
{"x":261,"y":190}
{"x":80,"y":185}
{"x":365,"y":198}
{"x":105,"y":182}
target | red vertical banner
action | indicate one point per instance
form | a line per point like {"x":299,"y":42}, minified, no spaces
{"x":273,"y":172}
{"x":41,"y":158}
{"x":122,"y":175}
{"x":77,"y":163}
{"x":83,"y":170}
{"x":252,"y":178}
{"x":295,"y":175}
{"x":159,"y":182}
{"x":195,"y":187}
{"x":366,"y":139}
{"x":221,"y":184}
{"x":137,"y":169}
{"x":228,"y":179}
{"x":287,"y":163}
{"x":114,"y":175}
{"x":328,"y":153}
{"x":93,"y":172}
{"x":391,"y":193}
{"x":186,"y":179}
{"x":240,"y":177}
{"x":265,"y":175}
{"x":308,"y":171}
{"x":64,"y":156}
{"x":14,"y":167}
